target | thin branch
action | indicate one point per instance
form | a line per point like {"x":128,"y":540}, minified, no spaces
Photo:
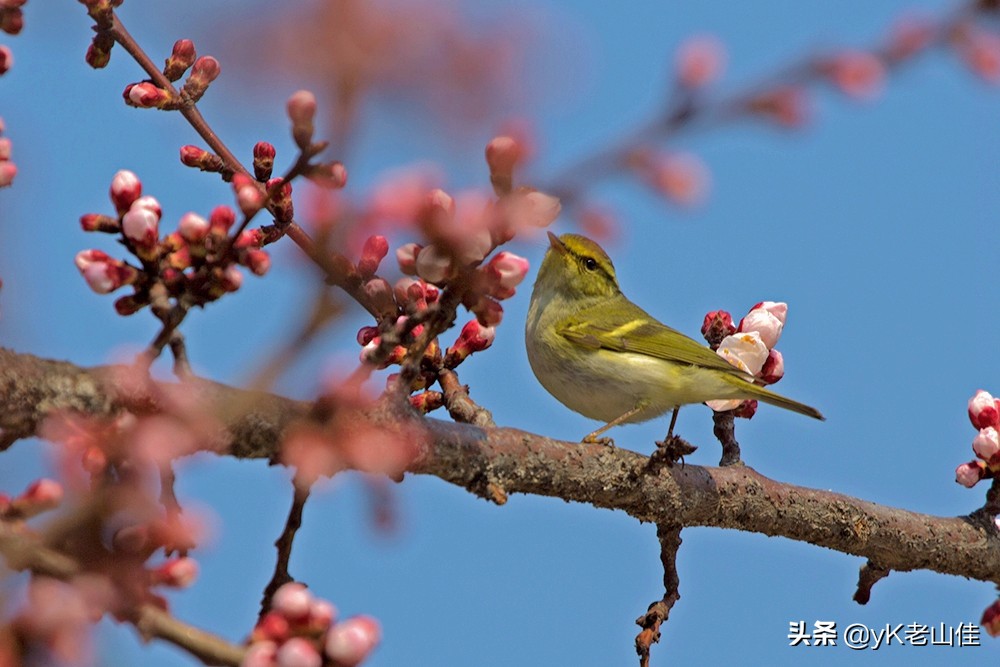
{"x":669,"y":536}
{"x":460,"y":405}
{"x":870,"y":575}
{"x":284,"y":547}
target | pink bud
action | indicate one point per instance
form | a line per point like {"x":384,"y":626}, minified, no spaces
{"x":95,"y":222}
{"x":263,"y":160}
{"x":5,"y":149}
{"x":969,"y":474}
{"x":509,"y":268}
{"x":221,"y":219}
{"x":681,"y":177}
{"x":350,"y":642}
{"x":249,"y":238}
{"x":301,"y":108}
{"x":474,"y":338}
{"x":146,"y":95}
{"x":104,"y":274}
{"x":434,"y":266}
{"x":321,"y":614}
{"x":260,"y":654}
{"x":488,"y":312}
{"x":258,"y":261}
{"x":406,"y":256}
{"x":984,"y":410}
{"x":533,"y":209}
{"x":181,"y":58}
{"x":148,"y":203}
{"x":176,"y":573}
{"x":193,"y":156}
{"x":273,"y":626}
{"x":774,"y":368}
{"x":292,"y":601}
{"x":249,"y":196}
{"x":193,"y":228}
{"x":700,"y":61}
{"x":40,"y":496}
{"x":331,"y":175}
{"x":140,"y":225}
{"x":298,"y":652}
{"x":6,"y":59}
{"x":986,"y":445}
{"x":980,"y":50}
{"x":768,"y":319}
{"x":8,"y":170}
{"x":125,"y":189}
{"x":859,"y":74}
{"x":786,"y":105}
{"x":909,"y":35}
{"x":366,"y":334}
{"x":204,"y":71}
{"x":374,"y":250}
{"x":991,"y":619}
{"x":502,"y":155}
{"x":720,"y":321}
{"x":232,"y":279}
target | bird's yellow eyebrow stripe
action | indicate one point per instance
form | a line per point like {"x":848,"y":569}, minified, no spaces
{"x":628,"y":327}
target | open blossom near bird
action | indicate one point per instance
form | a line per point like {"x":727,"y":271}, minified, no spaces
{"x":606,"y":358}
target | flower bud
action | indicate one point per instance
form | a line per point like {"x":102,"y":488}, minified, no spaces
{"x":260,"y":654}
{"x":298,"y":652}
{"x":8,"y":170}
{"x":258,"y":261}
{"x":680,"y":177}
{"x":774,"y":367}
{"x":986,"y":445}
{"x":329,"y":175}
{"x":181,"y":58}
{"x":301,"y":107}
{"x":984,"y":410}
{"x":292,"y":600}
{"x":141,"y":226}
{"x":232,"y":279}
{"x":146,"y":95}
{"x":787,"y":106}
{"x":434,"y":266}
{"x":193,"y":228}
{"x":699,"y":61}
{"x":249,"y":197}
{"x":125,"y":189}
{"x":281,"y":199}
{"x":766,"y":318}
{"x":5,"y":149}
{"x":991,"y":619}
{"x":95,"y":222}
{"x":365,"y":335}
{"x":351,"y":641}
{"x":41,"y":496}
{"x":203,"y":72}
{"x":717,"y":325}
{"x":509,"y":269}
{"x":374,"y":250}
{"x":99,"y":51}
{"x":263,"y":160}
{"x":103,"y":273}
{"x":6,"y":59}
{"x":221,"y":219}
{"x":969,"y":474}
{"x":406,"y":257}
{"x":175,"y":573}
{"x":271,"y":627}
{"x":193,"y":156}
{"x":488,"y":312}
{"x":474,"y":338}
{"x":858,"y":74}
{"x":379,"y":292}
{"x":530,"y":208}
{"x":502,"y":155}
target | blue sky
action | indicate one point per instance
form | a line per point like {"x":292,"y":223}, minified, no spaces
{"x":876,"y":224}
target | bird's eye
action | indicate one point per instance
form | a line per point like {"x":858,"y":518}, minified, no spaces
{"x":590,"y":264}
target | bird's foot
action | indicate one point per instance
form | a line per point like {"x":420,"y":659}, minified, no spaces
{"x":598,"y":440}
{"x":669,"y":451}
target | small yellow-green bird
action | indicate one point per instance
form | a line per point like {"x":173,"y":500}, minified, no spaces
{"x":606,"y":358}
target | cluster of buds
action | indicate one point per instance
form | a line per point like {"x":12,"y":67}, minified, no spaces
{"x":196,"y":262}
{"x":41,"y":496}
{"x":8,"y":170}
{"x":984,"y":413}
{"x":301,"y":630}
{"x":749,"y":347}
{"x":148,"y":95}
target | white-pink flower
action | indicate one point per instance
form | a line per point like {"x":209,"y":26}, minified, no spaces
{"x":193,"y":228}
{"x":984,"y":410}
{"x":768,"y":319}
{"x":351,"y":641}
{"x":969,"y":474}
{"x":433,"y":265}
{"x":986,"y":444}
{"x":509,"y":268}
{"x":141,"y":225}
{"x":745,"y":350}
{"x":125,"y":189}
{"x":406,"y":256}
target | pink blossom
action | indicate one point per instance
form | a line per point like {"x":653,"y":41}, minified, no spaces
{"x":774,"y":368}
{"x":321,"y":614}
{"x":718,"y":320}
{"x":859,"y":74}
{"x":768,"y":319}
{"x":249,"y":196}
{"x":350,"y":642}
{"x":406,"y":257}
{"x":125,"y":189}
{"x":700,"y":61}
{"x":474,"y":338}
{"x":146,"y":95}
{"x":434,"y":266}
{"x":176,"y":573}
{"x":986,"y":445}
{"x":375,"y":249}
{"x":984,"y":410}
{"x":221,"y":219}
{"x":258,"y":261}
{"x":6,"y":59}
{"x":232,"y":279}
{"x":680,"y":177}
{"x":293,"y":601}
{"x":502,"y":155}
{"x":531,"y":209}
{"x":969,"y":474}
{"x":509,"y":269}
{"x":786,"y":105}
{"x":330,"y":175}
{"x":8,"y":170}
{"x":141,"y":226}
{"x":5,"y":149}
{"x":745,"y":350}
{"x":298,"y":652}
{"x":103,"y":273}
{"x":908,"y":36}
{"x":271,"y":627}
{"x":260,"y":654}
{"x":193,"y":228}
{"x":980,"y":49}
{"x":991,"y":619}
{"x":301,"y":108}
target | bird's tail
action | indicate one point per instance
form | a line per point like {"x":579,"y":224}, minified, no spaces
{"x":768,"y":396}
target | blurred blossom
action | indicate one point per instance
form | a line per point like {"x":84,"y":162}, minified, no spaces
{"x":700,"y":61}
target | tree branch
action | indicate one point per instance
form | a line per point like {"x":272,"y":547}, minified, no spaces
{"x":493,"y":461}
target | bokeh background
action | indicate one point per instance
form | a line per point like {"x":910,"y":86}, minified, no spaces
{"x":876,"y":222}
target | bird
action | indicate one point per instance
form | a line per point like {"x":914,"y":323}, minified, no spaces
{"x":606,"y":358}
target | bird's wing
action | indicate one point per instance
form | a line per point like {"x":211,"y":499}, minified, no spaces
{"x":633,"y":330}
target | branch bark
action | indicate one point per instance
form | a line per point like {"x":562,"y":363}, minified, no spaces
{"x":505,"y":460}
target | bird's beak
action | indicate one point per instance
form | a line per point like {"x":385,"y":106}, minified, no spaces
{"x":556,"y":244}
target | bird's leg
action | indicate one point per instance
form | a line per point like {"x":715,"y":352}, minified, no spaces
{"x":593,"y":437}
{"x":672,"y":449}
{"x":673,"y":421}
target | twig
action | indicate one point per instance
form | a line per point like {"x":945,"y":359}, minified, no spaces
{"x":870,"y":575}
{"x":460,"y":405}
{"x":284,"y":547}
{"x":659,"y":611}
{"x":724,"y":429}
